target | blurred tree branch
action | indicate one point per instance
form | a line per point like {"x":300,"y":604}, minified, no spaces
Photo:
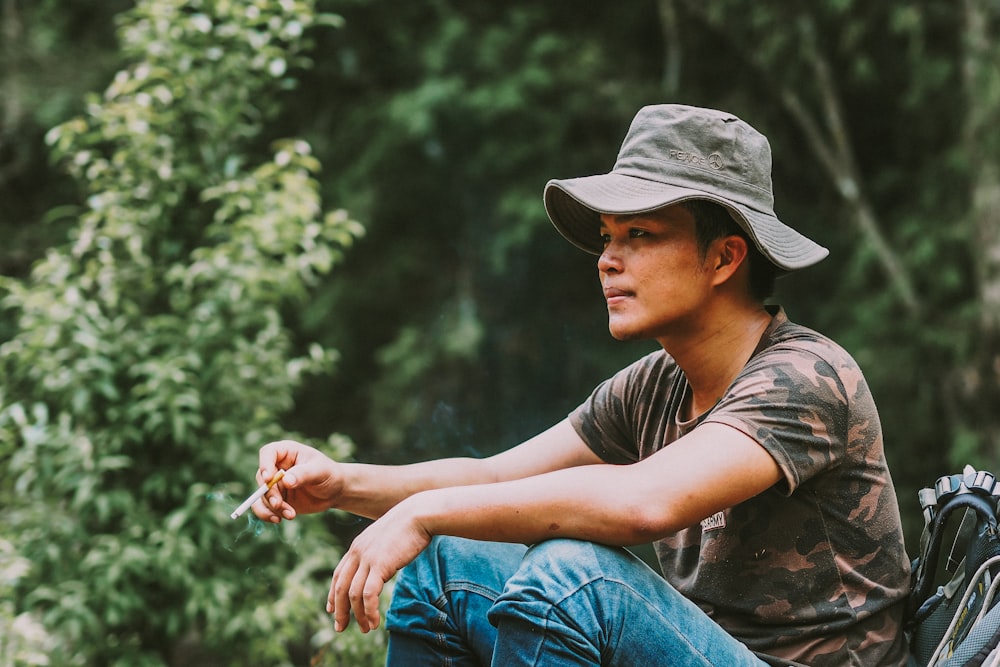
{"x":11,"y":102}
{"x":981,"y":79}
{"x":978,"y":381}
{"x":827,"y":136}
{"x":671,"y":47}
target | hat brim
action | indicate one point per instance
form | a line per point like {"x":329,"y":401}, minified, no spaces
{"x":575,"y":205}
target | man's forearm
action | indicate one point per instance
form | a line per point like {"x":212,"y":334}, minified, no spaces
{"x":371,"y":490}
{"x":588,"y":502}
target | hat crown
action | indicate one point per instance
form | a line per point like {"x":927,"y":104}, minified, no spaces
{"x":701,"y":149}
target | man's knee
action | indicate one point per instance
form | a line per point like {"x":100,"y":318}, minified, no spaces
{"x":566,"y":565}
{"x":551,"y":573}
{"x":441,"y":598}
{"x":453,"y":563}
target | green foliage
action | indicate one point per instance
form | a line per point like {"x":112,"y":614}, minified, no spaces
{"x":51,"y":53}
{"x":152,"y":357}
{"x":24,"y":641}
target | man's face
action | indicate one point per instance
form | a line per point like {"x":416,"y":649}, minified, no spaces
{"x":653,"y":275}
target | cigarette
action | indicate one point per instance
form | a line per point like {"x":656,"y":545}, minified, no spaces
{"x":256,"y":495}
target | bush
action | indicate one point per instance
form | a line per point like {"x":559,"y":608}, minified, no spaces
{"x":152,"y":359}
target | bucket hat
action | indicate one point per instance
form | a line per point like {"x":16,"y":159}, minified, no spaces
{"x":674,"y":153}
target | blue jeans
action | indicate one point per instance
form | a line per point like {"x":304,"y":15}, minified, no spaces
{"x":464,"y":603}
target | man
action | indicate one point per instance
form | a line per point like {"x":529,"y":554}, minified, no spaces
{"x":748,"y":450}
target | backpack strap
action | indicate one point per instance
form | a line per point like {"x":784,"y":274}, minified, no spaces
{"x":951,"y":643}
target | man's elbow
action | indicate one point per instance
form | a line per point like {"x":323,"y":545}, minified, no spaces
{"x":649,"y":522}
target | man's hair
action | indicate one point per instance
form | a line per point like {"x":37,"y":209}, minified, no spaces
{"x":713,"y":221}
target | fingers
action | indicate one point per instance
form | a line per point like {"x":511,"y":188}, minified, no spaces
{"x":356,"y":589}
{"x":275,"y":500}
{"x":275,"y":456}
{"x":354,"y":602}
{"x":370,"y":598}
{"x":282,"y":454}
{"x":272,"y":506}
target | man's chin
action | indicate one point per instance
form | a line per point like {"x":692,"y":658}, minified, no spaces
{"x":624,"y":334}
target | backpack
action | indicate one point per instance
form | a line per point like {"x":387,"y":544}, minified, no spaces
{"x":952,"y":615}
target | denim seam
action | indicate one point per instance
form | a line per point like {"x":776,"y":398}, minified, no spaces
{"x":470,"y":587}
{"x":441,"y":636}
{"x":441,"y":603}
{"x":557,"y":607}
{"x":666,"y":619}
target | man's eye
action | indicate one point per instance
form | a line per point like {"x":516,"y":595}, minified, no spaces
{"x":605,"y":239}
{"x":637,"y":233}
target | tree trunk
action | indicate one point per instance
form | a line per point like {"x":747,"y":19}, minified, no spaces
{"x":671,"y":48}
{"x":11,"y":103}
{"x":978,"y":381}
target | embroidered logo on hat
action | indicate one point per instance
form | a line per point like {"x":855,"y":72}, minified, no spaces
{"x":714,"y":160}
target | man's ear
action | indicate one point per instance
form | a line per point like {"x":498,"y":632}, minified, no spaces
{"x":731,"y":254}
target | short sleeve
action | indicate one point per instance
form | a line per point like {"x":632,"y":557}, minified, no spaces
{"x":795,"y":403}
{"x":600,"y":421}
{"x":626,"y":417}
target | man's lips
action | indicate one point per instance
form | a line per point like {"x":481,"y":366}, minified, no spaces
{"x":612,"y":294}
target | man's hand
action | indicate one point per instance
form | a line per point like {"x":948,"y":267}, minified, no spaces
{"x":312,"y":481}
{"x":375,"y":556}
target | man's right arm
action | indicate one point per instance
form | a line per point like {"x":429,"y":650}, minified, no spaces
{"x":313,"y":482}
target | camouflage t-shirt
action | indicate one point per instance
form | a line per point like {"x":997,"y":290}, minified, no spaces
{"x":814,"y":569}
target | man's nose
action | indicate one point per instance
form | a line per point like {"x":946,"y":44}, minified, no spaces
{"x":610,"y":259}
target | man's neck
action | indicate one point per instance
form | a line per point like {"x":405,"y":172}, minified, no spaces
{"x":715,"y":353}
